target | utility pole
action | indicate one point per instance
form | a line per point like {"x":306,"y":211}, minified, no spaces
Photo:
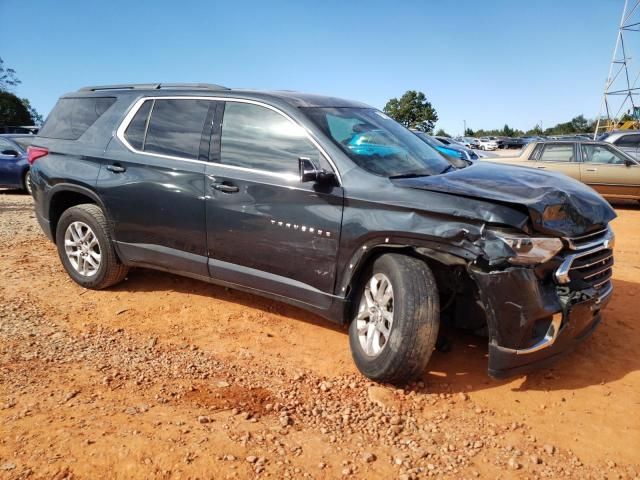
{"x":620,"y":90}
{"x":464,"y":132}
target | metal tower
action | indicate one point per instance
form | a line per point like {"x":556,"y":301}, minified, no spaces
{"x":620,"y":107}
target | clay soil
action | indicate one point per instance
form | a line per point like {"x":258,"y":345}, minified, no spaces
{"x":167,"y":377}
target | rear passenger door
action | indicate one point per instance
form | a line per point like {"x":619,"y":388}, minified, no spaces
{"x":559,"y":157}
{"x":266,"y":229}
{"x":152,"y":183}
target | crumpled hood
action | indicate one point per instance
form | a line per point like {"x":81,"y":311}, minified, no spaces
{"x":557,"y":204}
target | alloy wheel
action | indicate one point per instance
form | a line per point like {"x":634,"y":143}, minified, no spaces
{"x":82,"y":248}
{"x":375,"y":315}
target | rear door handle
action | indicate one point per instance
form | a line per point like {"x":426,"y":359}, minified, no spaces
{"x":116,"y":168}
{"x":225,"y":187}
{"x":541,"y":167}
{"x":592,"y":169}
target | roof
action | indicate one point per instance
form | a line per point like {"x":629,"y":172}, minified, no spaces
{"x":296,"y":99}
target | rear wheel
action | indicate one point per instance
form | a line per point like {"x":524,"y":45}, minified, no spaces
{"x":395,"y":326}
{"x":26,"y":182}
{"x":86,"y":249}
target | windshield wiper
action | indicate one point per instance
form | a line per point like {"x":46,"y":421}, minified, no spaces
{"x":447,"y":168}
{"x":410,"y":175}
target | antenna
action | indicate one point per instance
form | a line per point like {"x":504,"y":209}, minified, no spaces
{"x":620,"y":106}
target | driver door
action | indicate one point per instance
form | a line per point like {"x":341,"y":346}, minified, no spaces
{"x":607,"y":171}
{"x":266,"y":229}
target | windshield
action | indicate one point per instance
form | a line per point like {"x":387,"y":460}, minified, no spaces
{"x":377,"y":143}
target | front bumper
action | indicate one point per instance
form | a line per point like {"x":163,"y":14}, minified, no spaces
{"x":533,"y":323}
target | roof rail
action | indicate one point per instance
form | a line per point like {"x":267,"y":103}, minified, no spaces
{"x":154,"y":86}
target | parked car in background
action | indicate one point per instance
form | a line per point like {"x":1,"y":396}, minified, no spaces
{"x":14,"y":166}
{"x":452,"y":149}
{"x":473,"y":142}
{"x":626,"y":140}
{"x":283,"y":194}
{"x":462,"y":141}
{"x":28,"y":129}
{"x":602,"y":166}
{"x":488,"y":143}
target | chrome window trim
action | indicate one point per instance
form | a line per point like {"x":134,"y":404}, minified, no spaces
{"x":285,"y":176}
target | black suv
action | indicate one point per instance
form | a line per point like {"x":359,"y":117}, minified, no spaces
{"x":329,"y":205}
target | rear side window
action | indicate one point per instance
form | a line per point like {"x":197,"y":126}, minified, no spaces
{"x":174,"y":128}
{"x":557,"y":153}
{"x":259,"y":138}
{"x":71,"y":117}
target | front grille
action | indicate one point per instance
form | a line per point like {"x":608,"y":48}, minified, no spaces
{"x":589,"y":240}
{"x":589,"y":263}
{"x":593,"y":269}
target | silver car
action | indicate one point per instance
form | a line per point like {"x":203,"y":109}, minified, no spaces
{"x":626,"y":140}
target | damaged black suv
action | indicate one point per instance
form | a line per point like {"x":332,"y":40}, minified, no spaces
{"x":329,"y":205}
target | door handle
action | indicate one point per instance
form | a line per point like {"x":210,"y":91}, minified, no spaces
{"x":226,"y":188}
{"x":592,"y":169}
{"x":541,"y":167}
{"x":116,"y":168}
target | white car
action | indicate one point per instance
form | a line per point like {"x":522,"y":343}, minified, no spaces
{"x":488,"y":143}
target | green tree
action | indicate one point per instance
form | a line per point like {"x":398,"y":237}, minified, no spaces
{"x":36,"y":118}
{"x":413,"y":111}
{"x":8,"y":77}
{"x":507,"y":131}
{"x":13,"y":111}
{"x":580,"y":124}
{"x":442,"y":133}
{"x":535,"y":130}
{"x":469,"y":133}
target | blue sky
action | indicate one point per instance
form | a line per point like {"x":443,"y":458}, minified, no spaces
{"x":487,"y":62}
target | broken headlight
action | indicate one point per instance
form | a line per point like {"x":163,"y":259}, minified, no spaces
{"x":531,"y":250}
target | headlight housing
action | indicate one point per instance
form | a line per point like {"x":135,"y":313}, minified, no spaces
{"x":531,"y":250}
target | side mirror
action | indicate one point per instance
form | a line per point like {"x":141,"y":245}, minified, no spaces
{"x":11,"y":153}
{"x":310,"y":173}
{"x":629,"y":163}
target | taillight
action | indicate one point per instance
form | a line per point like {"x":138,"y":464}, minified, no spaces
{"x":34,"y":153}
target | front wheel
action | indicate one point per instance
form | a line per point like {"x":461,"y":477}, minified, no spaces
{"x":396,"y":323}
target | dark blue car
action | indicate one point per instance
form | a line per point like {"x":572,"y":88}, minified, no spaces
{"x":14,"y":167}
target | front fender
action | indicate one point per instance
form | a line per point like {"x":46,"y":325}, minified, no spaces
{"x":460,"y":252}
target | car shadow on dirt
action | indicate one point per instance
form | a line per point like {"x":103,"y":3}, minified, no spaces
{"x":607,"y":356}
{"x":143,"y":280}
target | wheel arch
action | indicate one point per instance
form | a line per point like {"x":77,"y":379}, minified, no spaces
{"x":64,"y":196}
{"x":432,"y":253}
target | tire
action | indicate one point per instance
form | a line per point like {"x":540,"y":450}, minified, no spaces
{"x":26,"y":182}
{"x":86,"y":249}
{"x":415,"y":320}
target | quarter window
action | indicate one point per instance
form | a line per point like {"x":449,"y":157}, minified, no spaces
{"x":601,"y":155}
{"x":557,"y":153}
{"x":258,"y":138}
{"x":536,"y":151}
{"x":175,"y":127}
{"x":136,"y":130}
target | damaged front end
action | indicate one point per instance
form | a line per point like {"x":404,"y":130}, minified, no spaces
{"x":537,"y":312}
